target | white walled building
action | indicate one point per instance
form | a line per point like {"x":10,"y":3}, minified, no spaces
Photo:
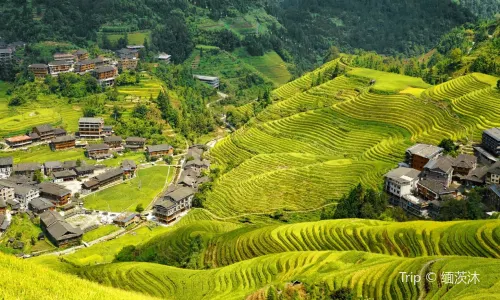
{"x":401,"y":181}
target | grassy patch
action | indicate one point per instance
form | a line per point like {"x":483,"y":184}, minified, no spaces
{"x":389,"y":82}
{"x":270,"y":65}
{"x":21,"y":224}
{"x":126,"y":196}
{"x":134,"y":38}
{"x":99,"y":232}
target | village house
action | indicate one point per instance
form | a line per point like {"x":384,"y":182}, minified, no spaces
{"x":84,"y":66}
{"x":40,"y":205}
{"x":23,"y":193}
{"x":81,"y":55}
{"x":491,"y":141}
{"x":59,"y":132}
{"x":4,"y":223}
{"x":158,"y":151}
{"x":107,"y":130}
{"x":197,"y":164}
{"x":18,"y":141}
{"x":492,"y":200}
{"x":173,"y":203}
{"x":401,"y":181}
{"x":164,"y":57}
{"x":493,"y":174}
{"x":63,"y":142}
{"x":135,"y":47}
{"x":44,"y":132}
{"x":52,"y":166}
{"x":65,"y":175}
{"x":84,"y":170}
{"x":6,"y":56}
{"x":129,"y":167}
{"x":439,"y":169}
{"x":128,"y":62}
{"x":101,"y":180}
{"x":39,"y":70}
{"x":105,"y":75}
{"x":126,"y":219}
{"x":431,"y":189}
{"x":90,"y":127}
{"x":417,"y":156}
{"x":35,"y":138}
{"x":101,"y":61}
{"x":210,"y":80}
{"x":56,"y":193}
{"x":113,"y":141}
{"x":476,"y":177}
{"x":59,"y":66}
{"x":98,"y":151}
{"x":6,"y":192}
{"x":64,"y":57}
{"x":27,"y":169}
{"x":126,"y":51}
{"x":71,"y":164}
{"x":6,"y":166}
{"x":135,"y":143}
{"x":463,"y":164}
{"x":60,"y":232}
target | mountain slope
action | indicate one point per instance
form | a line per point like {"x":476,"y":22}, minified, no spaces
{"x":20,"y":279}
{"x":344,"y":131}
{"x":368,"y":275}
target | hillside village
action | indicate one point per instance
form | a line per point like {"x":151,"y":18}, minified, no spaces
{"x":428,"y":177}
{"x":55,"y":191}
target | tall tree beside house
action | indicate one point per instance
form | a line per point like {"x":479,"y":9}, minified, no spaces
{"x":38,"y":176}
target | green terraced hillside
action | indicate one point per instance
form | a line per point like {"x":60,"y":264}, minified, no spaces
{"x":21,"y":279}
{"x":368,"y":275}
{"x":317,"y":141}
{"x":228,"y":243}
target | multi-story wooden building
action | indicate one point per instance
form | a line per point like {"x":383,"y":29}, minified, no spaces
{"x":210,"y":80}
{"x":6,"y":56}
{"x":128,"y":62}
{"x":90,"y":127}
{"x":60,"y":232}
{"x":157,"y":151}
{"x":419,"y":155}
{"x":63,"y":142}
{"x":59,"y":66}
{"x":105,"y":75}
{"x":113,"y":141}
{"x":27,"y":169}
{"x":135,"y":143}
{"x":125,"y":51}
{"x":52,"y":166}
{"x":56,"y":193}
{"x":18,"y":141}
{"x":81,"y":55}
{"x":84,"y":66}
{"x":64,"y":57}
{"x":44,"y":132}
{"x":126,"y":219}
{"x":129,"y":167}
{"x":65,"y":175}
{"x":101,"y":180}
{"x":39,"y":70}
{"x":491,"y":141}
{"x":164,"y":57}
{"x":173,"y":203}
{"x":98,"y":151}
{"x":40,"y":205}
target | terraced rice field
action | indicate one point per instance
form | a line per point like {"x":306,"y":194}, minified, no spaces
{"x":344,"y":118}
{"x":270,"y":65}
{"x":368,"y":275}
{"x":148,"y":87}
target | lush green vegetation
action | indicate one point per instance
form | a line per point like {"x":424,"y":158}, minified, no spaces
{"x":142,"y":189}
{"x":22,"y":279}
{"x":99,"y":232}
{"x":330,"y":134}
{"x":24,"y":233}
{"x":368,"y":275}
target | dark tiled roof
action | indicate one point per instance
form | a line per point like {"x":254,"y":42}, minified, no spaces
{"x":38,"y":66}
{"x":495,"y":168}
{"x":436,"y":186}
{"x":70,"y":164}
{"x":104,"y":69}
{"x":124,"y":218}
{"x":494,"y":133}
{"x":53,"y":165}
{"x":22,"y":167}
{"x":135,"y":139}
{"x":113,"y":139}
{"x":90,"y":183}
{"x":41,"y":203}
{"x":6,"y":161}
{"x":53,"y":189}
{"x":179,"y":194}
{"x":44,"y":128}
{"x":109,"y":174}
{"x":81,"y":51}
{"x":64,"y":174}
{"x":157,"y":148}
{"x":90,"y":120}
{"x":465,"y":161}
{"x":443,"y":163}
{"x":95,"y":147}
{"x":424,"y":150}
{"x":63,"y":139}
{"x":59,"y":63}
{"x":59,"y":131}
{"x":128,"y":164}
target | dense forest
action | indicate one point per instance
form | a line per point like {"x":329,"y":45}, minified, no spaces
{"x":303,"y":28}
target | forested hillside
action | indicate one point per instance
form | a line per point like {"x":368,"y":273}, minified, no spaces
{"x":482,"y":8}
{"x":305,"y":29}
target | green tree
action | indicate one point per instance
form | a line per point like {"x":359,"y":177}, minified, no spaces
{"x":38,"y":176}
{"x":342,"y":294}
{"x":333,"y":53}
{"x":139,"y":208}
{"x":271,"y":293}
{"x":448,"y":145}
{"x":498,"y":84}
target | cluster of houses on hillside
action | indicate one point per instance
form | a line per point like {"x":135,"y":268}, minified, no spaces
{"x":93,"y":129}
{"x":178,"y":198}
{"x":7,"y":52}
{"x":104,"y":69}
{"x":20,"y":193}
{"x":428,"y":177}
